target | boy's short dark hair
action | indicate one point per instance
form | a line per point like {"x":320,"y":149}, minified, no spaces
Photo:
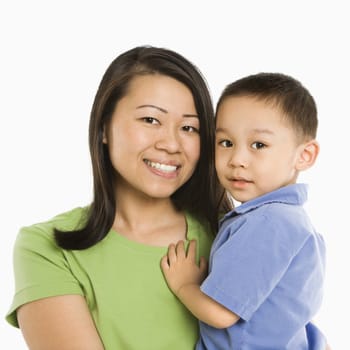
{"x":283,"y":91}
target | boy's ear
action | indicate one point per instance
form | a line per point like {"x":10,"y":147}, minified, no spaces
{"x":308,"y":154}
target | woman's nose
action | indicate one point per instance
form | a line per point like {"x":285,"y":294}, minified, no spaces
{"x":169,"y":140}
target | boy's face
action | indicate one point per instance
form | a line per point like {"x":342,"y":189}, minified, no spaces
{"x":256,"y":150}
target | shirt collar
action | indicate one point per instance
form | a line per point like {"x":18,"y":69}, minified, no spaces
{"x":295,"y":194}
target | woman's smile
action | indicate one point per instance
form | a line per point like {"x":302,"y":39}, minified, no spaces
{"x":166,"y":170}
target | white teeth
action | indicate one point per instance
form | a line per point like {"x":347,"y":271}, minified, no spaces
{"x":162,"y":167}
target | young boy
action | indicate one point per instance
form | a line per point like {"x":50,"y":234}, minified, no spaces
{"x":266,"y":265}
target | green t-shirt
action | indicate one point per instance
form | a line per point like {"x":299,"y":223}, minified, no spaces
{"x":121,"y":280}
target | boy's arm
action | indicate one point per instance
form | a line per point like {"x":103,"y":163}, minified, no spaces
{"x":184,"y":277}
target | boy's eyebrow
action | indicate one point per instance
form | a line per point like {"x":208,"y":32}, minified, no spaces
{"x":165,"y":111}
{"x":263,"y":131}
{"x":255,"y":131}
{"x":220,"y":130}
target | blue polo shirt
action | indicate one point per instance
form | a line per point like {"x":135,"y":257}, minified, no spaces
{"x":267,"y":265}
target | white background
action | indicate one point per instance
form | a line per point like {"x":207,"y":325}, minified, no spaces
{"x":53,"y":55}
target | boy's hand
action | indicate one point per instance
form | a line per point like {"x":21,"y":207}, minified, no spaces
{"x":180,"y":269}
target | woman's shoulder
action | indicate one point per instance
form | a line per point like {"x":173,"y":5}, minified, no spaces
{"x":70,"y":220}
{"x":66,"y":221}
{"x":200,"y":231}
{"x":198,"y":225}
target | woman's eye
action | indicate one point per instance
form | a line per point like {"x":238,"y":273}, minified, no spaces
{"x":150,"y":120}
{"x":226,"y":143}
{"x":258,"y":145}
{"x":190,"y":128}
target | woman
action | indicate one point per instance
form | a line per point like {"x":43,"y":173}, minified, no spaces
{"x":90,"y":278}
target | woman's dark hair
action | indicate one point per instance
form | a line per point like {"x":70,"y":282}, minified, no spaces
{"x":201,"y":195}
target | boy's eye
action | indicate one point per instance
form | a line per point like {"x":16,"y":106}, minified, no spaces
{"x":258,"y":145}
{"x":226,"y":143}
{"x":150,"y":120}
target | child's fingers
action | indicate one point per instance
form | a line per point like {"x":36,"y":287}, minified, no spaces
{"x":203,"y":265}
{"x":191,"y":251}
{"x":180,"y":250}
{"x":164,"y":263}
{"x":172,"y":254}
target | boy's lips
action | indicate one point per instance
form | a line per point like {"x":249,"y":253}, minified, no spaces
{"x":239,"y":182}
{"x":239,"y":179}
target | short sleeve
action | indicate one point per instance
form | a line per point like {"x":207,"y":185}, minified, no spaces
{"x":249,"y":264}
{"x":40,"y":268}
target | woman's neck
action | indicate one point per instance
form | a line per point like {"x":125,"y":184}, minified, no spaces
{"x":152,"y":221}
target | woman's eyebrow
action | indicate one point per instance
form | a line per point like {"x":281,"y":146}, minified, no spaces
{"x":153,"y":106}
{"x":165,"y":111}
{"x":191,"y":116}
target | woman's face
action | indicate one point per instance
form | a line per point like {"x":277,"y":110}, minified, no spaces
{"x":153,"y":136}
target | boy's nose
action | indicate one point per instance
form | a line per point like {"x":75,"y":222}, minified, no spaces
{"x":238,"y":158}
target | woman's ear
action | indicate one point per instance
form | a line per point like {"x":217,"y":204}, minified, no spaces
{"x":104,"y":137}
{"x":307,"y":155}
